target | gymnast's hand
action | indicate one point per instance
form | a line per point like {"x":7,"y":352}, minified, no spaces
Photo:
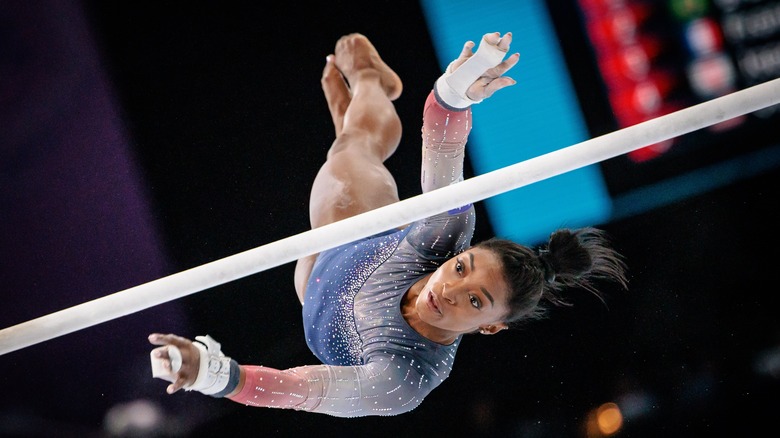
{"x":190,"y":360}
{"x":492,"y":79}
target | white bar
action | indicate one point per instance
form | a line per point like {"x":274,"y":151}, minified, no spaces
{"x":409,"y":210}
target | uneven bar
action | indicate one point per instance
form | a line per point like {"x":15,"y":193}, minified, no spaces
{"x":405,"y":211}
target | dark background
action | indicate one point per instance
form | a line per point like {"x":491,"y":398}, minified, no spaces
{"x":143,"y":139}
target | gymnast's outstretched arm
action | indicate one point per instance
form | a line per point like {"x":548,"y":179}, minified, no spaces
{"x":469,"y":79}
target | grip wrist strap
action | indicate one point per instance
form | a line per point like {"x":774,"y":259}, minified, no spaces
{"x":214,"y":370}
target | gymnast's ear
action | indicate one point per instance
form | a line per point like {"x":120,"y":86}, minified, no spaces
{"x":492,"y":329}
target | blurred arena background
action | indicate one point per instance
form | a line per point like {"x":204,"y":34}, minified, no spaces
{"x":140,"y":139}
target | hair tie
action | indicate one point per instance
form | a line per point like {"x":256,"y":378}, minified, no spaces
{"x":547,"y":267}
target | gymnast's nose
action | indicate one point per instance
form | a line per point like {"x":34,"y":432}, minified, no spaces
{"x":449,"y":293}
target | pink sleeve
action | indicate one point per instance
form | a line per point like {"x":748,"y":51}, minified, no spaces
{"x":388,"y":386}
{"x":444,"y":135}
{"x":269,"y":387}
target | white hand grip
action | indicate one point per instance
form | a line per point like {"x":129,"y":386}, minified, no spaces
{"x":158,"y":370}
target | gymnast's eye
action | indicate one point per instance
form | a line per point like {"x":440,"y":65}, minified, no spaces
{"x":459,"y":267}
{"x":475,"y":301}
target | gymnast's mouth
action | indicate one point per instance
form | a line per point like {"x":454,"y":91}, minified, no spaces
{"x":432,"y":303}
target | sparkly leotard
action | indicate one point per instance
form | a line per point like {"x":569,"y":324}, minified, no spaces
{"x":373,"y":362}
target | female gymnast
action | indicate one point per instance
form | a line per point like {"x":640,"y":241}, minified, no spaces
{"x":385,"y":314}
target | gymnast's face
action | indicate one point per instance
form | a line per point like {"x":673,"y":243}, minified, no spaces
{"x":467,"y":293}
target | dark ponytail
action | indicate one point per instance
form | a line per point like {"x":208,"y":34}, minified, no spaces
{"x":571,"y":259}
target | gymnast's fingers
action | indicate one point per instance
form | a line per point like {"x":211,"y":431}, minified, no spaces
{"x":492,"y":38}
{"x":161,"y":339}
{"x":176,"y":385}
{"x":466,"y":52}
{"x":497,"y":84}
{"x":505,"y":41}
{"x":507,"y":64}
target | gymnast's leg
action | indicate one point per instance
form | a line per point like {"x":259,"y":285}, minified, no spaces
{"x":353,"y":179}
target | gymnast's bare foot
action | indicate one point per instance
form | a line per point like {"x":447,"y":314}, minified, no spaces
{"x":336,"y":93}
{"x":356,"y":55}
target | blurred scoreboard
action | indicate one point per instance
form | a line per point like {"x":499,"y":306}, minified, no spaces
{"x":589,"y":67}
{"x":656,"y":57}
